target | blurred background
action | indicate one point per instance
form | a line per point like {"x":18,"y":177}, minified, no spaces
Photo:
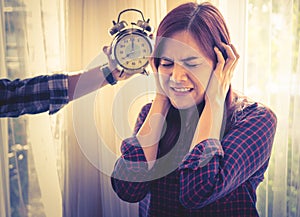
{"x":59,"y":165}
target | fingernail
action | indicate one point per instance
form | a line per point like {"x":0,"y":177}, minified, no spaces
{"x":105,"y":48}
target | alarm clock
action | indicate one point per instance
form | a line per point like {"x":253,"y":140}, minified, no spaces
{"x":132,"y":45}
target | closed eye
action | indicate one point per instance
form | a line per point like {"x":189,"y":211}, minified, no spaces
{"x":188,"y":64}
{"x":192,"y":62}
{"x":166,"y":62}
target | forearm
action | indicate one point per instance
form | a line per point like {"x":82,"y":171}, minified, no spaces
{"x":82,"y":83}
{"x":150,"y":132}
{"x":210,"y":123}
{"x":131,"y":175}
{"x":131,"y":192}
{"x":33,"y":95}
{"x":202,"y":182}
{"x":221,"y":166}
{"x":130,"y":183}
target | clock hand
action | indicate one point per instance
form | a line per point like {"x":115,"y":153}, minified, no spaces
{"x":131,"y":52}
{"x":128,"y":54}
{"x":132,"y":44}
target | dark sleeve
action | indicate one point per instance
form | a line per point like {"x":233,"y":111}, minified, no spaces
{"x":33,"y":95}
{"x":130,"y":178}
{"x":215,"y":168}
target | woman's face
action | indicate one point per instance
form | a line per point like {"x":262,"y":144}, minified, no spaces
{"x":184,"y":71}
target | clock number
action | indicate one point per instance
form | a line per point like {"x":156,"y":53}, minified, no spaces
{"x":132,"y":51}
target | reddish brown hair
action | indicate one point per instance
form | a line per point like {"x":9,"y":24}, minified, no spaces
{"x":207,"y":25}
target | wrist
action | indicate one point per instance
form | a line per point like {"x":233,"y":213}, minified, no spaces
{"x":216,"y":101}
{"x":215,"y":111}
{"x":108,"y":74}
{"x":162,"y":103}
{"x":161,"y":98}
{"x":215,"y":105}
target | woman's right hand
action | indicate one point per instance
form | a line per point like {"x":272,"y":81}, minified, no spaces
{"x":149,"y":134}
{"x":160,"y":94}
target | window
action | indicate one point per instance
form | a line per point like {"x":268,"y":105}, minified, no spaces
{"x":32,"y":45}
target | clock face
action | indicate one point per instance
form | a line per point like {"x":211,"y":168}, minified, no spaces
{"x":132,"y":50}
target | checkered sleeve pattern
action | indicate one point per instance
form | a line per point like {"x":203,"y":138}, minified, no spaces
{"x":206,"y":178}
{"x":130,"y":176}
{"x":215,"y":179}
{"x":33,"y":95}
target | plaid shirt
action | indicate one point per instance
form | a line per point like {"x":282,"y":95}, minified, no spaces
{"x":216,"y":178}
{"x":33,"y":95}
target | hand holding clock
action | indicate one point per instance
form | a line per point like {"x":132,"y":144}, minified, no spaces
{"x":130,"y":49}
{"x":112,"y":65}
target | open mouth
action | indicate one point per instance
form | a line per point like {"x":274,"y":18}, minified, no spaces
{"x":182,"y":89}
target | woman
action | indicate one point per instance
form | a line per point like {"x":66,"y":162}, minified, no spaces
{"x":198,"y":149}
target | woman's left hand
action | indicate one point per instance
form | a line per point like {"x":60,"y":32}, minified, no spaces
{"x":222,"y":75}
{"x":211,"y":119}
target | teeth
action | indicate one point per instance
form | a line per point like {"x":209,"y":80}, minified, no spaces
{"x":183,"y":89}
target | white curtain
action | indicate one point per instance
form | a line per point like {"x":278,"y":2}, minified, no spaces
{"x":266,"y":34}
{"x":31,"y":45}
{"x":273,"y":78}
{"x":45,"y":41}
{"x":4,"y":176}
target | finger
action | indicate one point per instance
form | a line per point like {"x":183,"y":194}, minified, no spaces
{"x":107,"y":50}
{"x":158,"y":77}
{"x":220,"y":62}
{"x":231,"y":61}
{"x":237,"y":56}
{"x":152,"y":64}
{"x":231,"y":58}
{"x":153,"y":67}
{"x":231,"y":52}
{"x":234,"y":51}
